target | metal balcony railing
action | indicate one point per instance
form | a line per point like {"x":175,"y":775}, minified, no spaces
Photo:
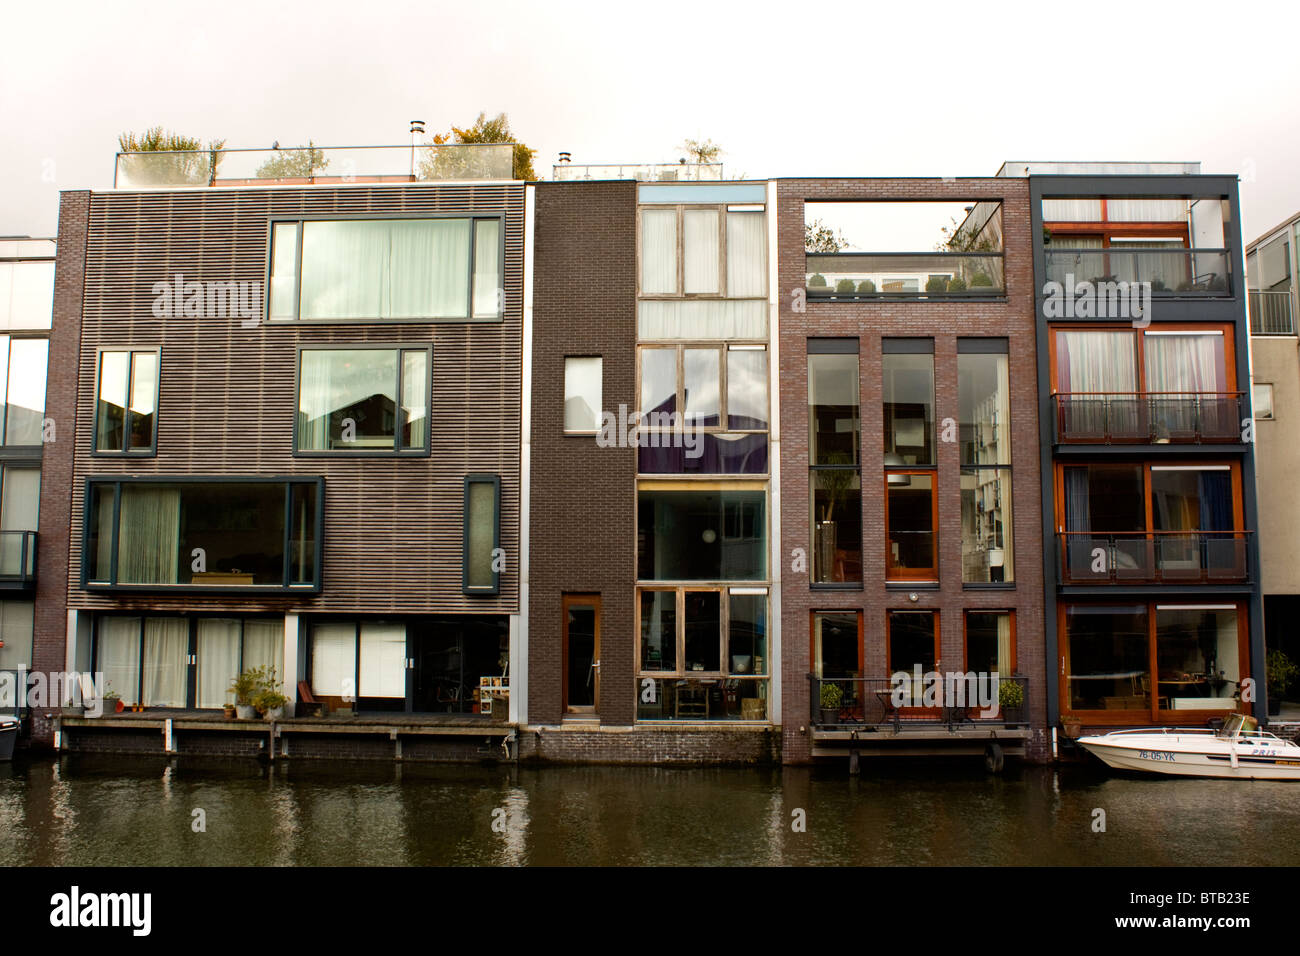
{"x":1176,"y":272}
{"x":17,"y":559}
{"x":1149,"y":417}
{"x":855,"y":276}
{"x":1154,"y":557}
{"x":1270,"y":313}
{"x":641,"y":172}
{"x":880,"y":701}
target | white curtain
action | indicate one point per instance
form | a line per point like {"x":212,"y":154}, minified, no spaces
{"x":658,"y":251}
{"x":430,"y":268}
{"x":1071,"y":210}
{"x":148,"y":538}
{"x":415,"y":398}
{"x":700,"y":250}
{"x":315,"y":398}
{"x":1146,"y":210}
{"x":166,"y":650}
{"x":218,"y":660}
{"x":119,"y":655}
{"x":16,"y":633}
{"x":333,"y":660}
{"x":1095,"y":362}
{"x":264,"y":645}
{"x":344,"y":269}
{"x":18,"y":512}
{"x":746,"y":254}
{"x":1184,"y":363}
{"x":1004,"y":645}
{"x":702,"y":319}
{"x":284,"y":271}
{"x":488,"y":279}
{"x":383,"y":660}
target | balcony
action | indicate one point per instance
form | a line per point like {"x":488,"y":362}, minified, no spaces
{"x":870,"y":703}
{"x":863,"y":276}
{"x":1270,"y":313}
{"x":641,"y":172}
{"x":1177,"y":273}
{"x":1152,"y":418}
{"x":17,"y":560}
{"x":315,"y":165}
{"x":1153,"y":557}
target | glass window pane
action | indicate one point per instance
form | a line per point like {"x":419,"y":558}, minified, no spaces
{"x":1096,"y":361}
{"x":26,"y":401}
{"x":284,"y":271}
{"x":118,"y":655}
{"x":19,"y":503}
{"x":1107,"y":654}
{"x":334,"y":660}
{"x":110,"y":414}
{"x":99,"y":549}
{"x":701,"y":371}
{"x":144,"y":398}
{"x":1104,"y":498}
{"x":302,"y":540}
{"x":488,"y":281}
{"x":837,"y":525}
{"x":16,"y":632}
{"x":658,"y":630}
{"x":415,"y":399}
{"x":836,"y":644}
{"x":910,"y":510}
{"x":481,"y":521}
{"x":658,"y":251}
{"x":703,"y":631}
{"x":909,"y":409}
{"x":701,"y":251}
{"x":911,"y":641}
{"x":1198,"y":659}
{"x":165,"y":665}
{"x":701,"y":536}
{"x":746,"y":254}
{"x":582,"y":394}
{"x":383,"y":659}
{"x":833,"y":400}
{"x":985,"y":408}
{"x":986,"y":531}
{"x":658,"y":386}
{"x":1262,"y":396}
{"x":988,"y":642}
{"x":1185,"y":363}
{"x":747,"y":388}
{"x":346,"y":400}
{"x":747,"y":633}
{"x":217,"y":661}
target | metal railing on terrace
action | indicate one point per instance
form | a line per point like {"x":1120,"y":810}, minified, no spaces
{"x":1186,"y":272}
{"x":1154,"y":557}
{"x":1149,"y":417}
{"x":1270,"y":313}
{"x":17,"y":560}
{"x":641,"y":172}
{"x":873,"y":275}
{"x":314,"y":165}
{"x":878,"y":702}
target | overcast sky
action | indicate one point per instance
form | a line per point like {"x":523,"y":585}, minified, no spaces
{"x":802,"y":89}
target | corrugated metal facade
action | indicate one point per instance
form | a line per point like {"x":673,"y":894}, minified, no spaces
{"x":393,"y":528}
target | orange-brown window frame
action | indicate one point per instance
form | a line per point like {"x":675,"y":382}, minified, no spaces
{"x":1229,"y":346}
{"x":922,"y":574}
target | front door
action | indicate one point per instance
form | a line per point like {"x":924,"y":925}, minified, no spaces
{"x":581,"y":653}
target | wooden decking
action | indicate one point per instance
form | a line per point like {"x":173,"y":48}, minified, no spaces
{"x":917,"y":739}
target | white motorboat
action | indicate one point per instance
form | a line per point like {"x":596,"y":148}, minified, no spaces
{"x":1238,"y":749}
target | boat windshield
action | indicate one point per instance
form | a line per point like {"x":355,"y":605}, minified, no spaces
{"x":1237,"y":725}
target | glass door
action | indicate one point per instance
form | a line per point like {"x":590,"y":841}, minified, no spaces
{"x":581,"y":653}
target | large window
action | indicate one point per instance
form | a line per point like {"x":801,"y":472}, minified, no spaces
{"x":1151,"y":661}
{"x":908,"y":366}
{"x":913,"y":646}
{"x":208,"y":534}
{"x":23,"y":388}
{"x":582,"y":394}
{"x":126,"y":405}
{"x":363,"y":401}
{"x":710,"y":251}
{"x":482,"y":544}
{"x":20,"y":495}
{"x":165,"y":661}
{"x":708,"y":533}
{"x":837,"y":644}
{"x":984,"y":402}
{"x":702,"y":653}
{"x":835,"y":472}
{"x":704,"y":409}
{"x":16,"y":635}
{"x":991,"y":642}
{"x":387,"y":269}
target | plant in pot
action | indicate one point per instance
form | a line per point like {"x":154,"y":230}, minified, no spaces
{"x":845,"y":286}
{"x":112,"y":702}
{"x":245,"y":687}
{"x":1282,"y":672}
{"x":268,"y":700}
{"x":1011,"y":698}
{"x":957,"y":284}
{"x":832,"y":697}
{"x":229,"y":711}
{"x":866,"y":286}
{"x":981,"y":280}
{"x":817,"y":281}
{"x":936,"y":284}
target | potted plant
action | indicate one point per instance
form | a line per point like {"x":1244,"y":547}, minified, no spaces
{"x":832,"y":697}
{"x":866,"y":286}
{"x":229,"y":711}
{"x":981,"y":280}
{"x":957,"y":284}
{"x":817,"y":281}
{"x":936,"y":284}
{"x":1011,"y":698}
{"x":845,"y":286}
{"x":244,"y":687}
{"x":270,"y":704}
{"x":1282,"y":672}
{"x":112,"y":703}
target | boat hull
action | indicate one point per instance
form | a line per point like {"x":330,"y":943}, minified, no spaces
{"x":1169,"y":758}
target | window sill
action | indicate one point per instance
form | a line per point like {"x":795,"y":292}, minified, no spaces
{"x":926,"y":585}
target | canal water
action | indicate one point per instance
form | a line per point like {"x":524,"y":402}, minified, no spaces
{"x":102,"y":811}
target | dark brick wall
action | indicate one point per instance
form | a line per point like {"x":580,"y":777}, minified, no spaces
{"x":583,"y":497}
{"x":658,"y":745}
{"x":945,"y":322}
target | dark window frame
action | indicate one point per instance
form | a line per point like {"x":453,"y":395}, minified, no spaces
{"x":466,"y":587}
{"x":125,"y":451}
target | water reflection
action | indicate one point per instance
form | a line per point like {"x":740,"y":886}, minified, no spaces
{"x":123,"y":811}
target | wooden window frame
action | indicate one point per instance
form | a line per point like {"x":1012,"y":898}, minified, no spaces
{"x":1139,"y":348}
{"x":931,"y":574}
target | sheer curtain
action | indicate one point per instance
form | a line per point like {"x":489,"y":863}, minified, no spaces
{"x":383,"y":660}
{"x":700,"y":251}
{"x":702,"y":319}
{"x":1095,"y":362}
{"x":166,"y":649}
{"x":314,"y":400}
{"x":264,"y":645}
{"x":218,"y":660}
{"x":334,"y":660}
{"x":119,"y":656}
{"x":148,"y":550}
{"x":1184,"y":363}
{"x":488,"y":280}
{"x":1004,"y":645}
{"x":344,"y":269}
{"x":18,"y":512}
{"x":429,"y":269}
{"x":746,"y":254}
{"x":658,"y":251}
